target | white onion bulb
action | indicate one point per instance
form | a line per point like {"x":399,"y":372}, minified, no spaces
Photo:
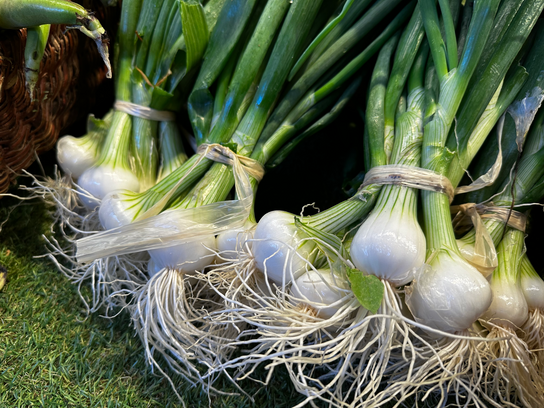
{"x":101,"y":180}
{"x":318,"y":289}
{"x":116,"y":210}
{"x":187,"y":257}
{"x":75,"y":155}
{"x":509,"y":307}
{"x":275,"y":234}
{"x":232,"y":242}
{"x":449,"y":294}
{"x":533,"y":290}
{"x":389,"y":245}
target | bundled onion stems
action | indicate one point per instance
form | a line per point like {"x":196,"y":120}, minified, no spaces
{"x":245,"y":111}
{"x":361,"y":305}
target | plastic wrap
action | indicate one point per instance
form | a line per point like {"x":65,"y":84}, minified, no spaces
{"x":181,"y":225}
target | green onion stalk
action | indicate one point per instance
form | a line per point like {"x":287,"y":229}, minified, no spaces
{"x":37,"y":16}
{"x":502,"y":67}
{"x":469,"y":294}
{"x":203,"y":108}
{"x":449,"y":279}
{"x":515,"y":289}
{"x":123,"y":207}
{"x":112,"y":170}
{"x":156,"y":57}
{"x":522,"y":188}
{"x":529,"y":98}
{"x":172,"y":263}
{"x":522,"y":140}
{"x":36,"y":41}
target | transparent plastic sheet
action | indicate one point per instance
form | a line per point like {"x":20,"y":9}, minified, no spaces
{"x":523,"y":113}
{"x":484,"y":257}
{"x":488,"y":178}
{"x":181,"y":225}
{"x":144,"y":112}
{"x":409,"y":176}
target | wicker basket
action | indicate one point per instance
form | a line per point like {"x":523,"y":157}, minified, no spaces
{"x":70,"y":75}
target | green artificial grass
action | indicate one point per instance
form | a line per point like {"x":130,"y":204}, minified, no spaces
{"x":53,"y":354}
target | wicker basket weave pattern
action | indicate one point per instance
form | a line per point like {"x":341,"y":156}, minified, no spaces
{"x":70,"y":74}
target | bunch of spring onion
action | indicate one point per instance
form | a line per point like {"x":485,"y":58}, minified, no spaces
{"x":451,"y":294}
{"x":293,"y":283}
{"x":249,"y":59}
{"x":462,"y":357}
{"x":138,"y":143}
{"x":305,"y":298}
{"x":512,"y":360}
{"x":481,"y":14}
{"x":37,"y":16}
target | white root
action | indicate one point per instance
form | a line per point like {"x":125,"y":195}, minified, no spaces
{"x":511,"y":378}
{"x":532,"y":333}
{"x":169,"y":315}
{"x":343,"y":360}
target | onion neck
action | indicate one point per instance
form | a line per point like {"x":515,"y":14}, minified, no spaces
{"x":438,"y":227}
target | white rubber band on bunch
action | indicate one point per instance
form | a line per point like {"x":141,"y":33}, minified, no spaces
{"x":408,"y":176}
{"x":144,"y":112}
{"x":223,"y":154}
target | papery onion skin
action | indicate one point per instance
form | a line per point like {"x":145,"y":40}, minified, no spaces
{"x":320,"y":287}
{"x":101,"y":180}
{"x":449,"y":294}
{"x":275,"y":232}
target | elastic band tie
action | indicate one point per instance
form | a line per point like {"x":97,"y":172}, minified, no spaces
{"x":514,"y":219}
{"x":409,"y":176}
{"x":144,"y":112}
{"x":217,"y":153}
{"x":222,"y":154}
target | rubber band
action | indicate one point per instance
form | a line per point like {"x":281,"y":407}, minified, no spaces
{"x":222,"y":154}
{"x":409,"y":176}
{"x":144,"y":112}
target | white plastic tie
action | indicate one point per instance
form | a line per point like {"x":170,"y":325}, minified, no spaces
{"x":409,"y":176}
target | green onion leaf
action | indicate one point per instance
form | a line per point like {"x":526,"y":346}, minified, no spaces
{"x":320,"y":38}
{"x":368,"y":289}
{"x":195,"y":30}
{"x":328,"y":243}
